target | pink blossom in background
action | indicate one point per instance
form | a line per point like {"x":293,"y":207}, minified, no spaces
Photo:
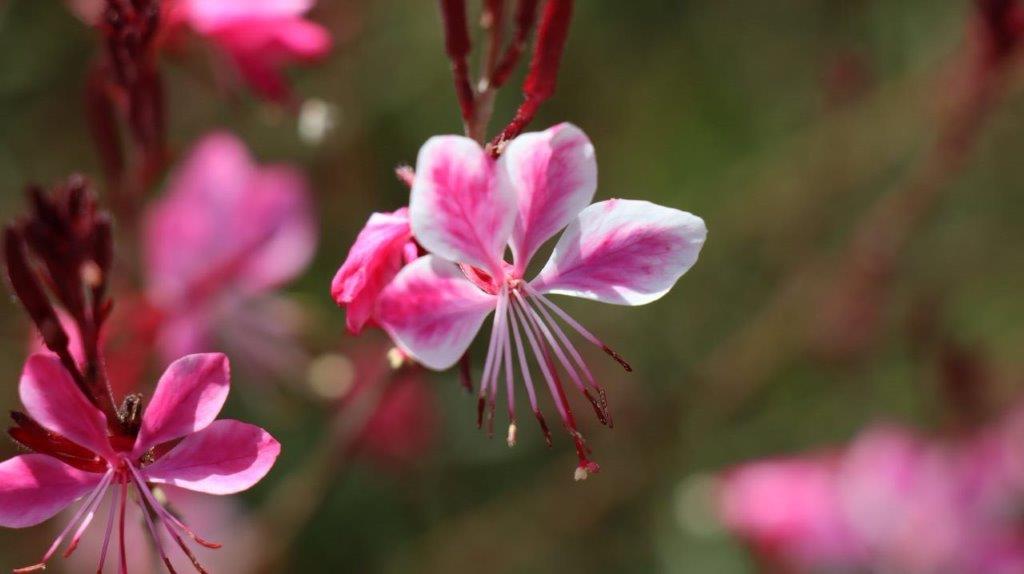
{"x":466,"y":208}
{"x":178,"y":442}
{"x":401,"y":426}
{"x":790,"y":509}
{"x":261,"y":37}
{"x":226,"y":234}
{"x":383,"y":247}
{"x":891,"y":502}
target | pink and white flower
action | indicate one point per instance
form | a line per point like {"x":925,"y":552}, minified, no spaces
{"x":226,"y":234}
{"x":382,"y":248}
{"x":466,"y":207}
{"x":178,"y":442}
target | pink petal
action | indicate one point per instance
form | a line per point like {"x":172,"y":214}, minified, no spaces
{"x":456,"y":208}
{"x":35,"y":487}
{"x":623,"y":251}
{"x":372,"y":263}
{"x":226,"y":225}
{"x":52,"y":398}
{"x":261,"y":49}
{"x":553,"y":175}
{"x":206,"y":15}
{"x":433,"y":312}
{"x":187,"y":399}
{"x":224,"y":458}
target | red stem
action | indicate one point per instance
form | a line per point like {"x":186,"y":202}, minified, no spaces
{"x":457,"y":45}
{"x":541,"y":80}
{"x":526,"y":16}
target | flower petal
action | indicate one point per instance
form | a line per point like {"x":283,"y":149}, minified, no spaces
{"x":52,"y":398}
{"x":206,"y":15}
{"x":433,"y":312}
{"x":623,"y":251}
{"x":224,"y":458}
{"x":553,"y":175}
{"x":35,"y":487}
{"x":372,"y":263}
{"x":187,"y":399}
{"x":226,"y":225}
{"x":457,"y":209}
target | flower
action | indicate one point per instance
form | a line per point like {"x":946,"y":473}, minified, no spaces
{"x":260,"y":36}
{"x":466,"y":207}
{"x":398,"y":411}
{"x":890,"y":502}
{"x":382,"y":248}
{"x":78,"y":452}
{"x":225,"y":235}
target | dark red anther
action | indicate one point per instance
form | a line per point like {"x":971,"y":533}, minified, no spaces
{"x":543,"y":427}
{"x":618,"y":358}
{"x":457,"y":46}
{"x":465,"y":375}
{"x":543,"y":75}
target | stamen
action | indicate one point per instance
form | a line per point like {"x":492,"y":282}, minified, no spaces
{"x":106,"y":535}
{"x":155,"y":535}
{"x":124,"y":504}
{"x":558,"y":394}
{"x":580,"y":329}
{"x":162,"y":515}
{"x":566,"y":364}
{"x":489,"y":362}
{"x":525,"y":368}
{"x":168,"y":516}
{"x":509,"y":384}
{"x":88,"y":507}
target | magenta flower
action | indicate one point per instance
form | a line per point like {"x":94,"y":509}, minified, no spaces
{"x":178,"y":442}
{"x":383,"y":247}
{"x":466,"y":207}
{"x":226,"y":234}
{"x":260,"y":36}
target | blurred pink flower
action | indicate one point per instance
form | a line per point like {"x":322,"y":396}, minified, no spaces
{"x":383,"y":247}
{"x":401,"y":426}
{"x":178,"y":442}
{"x":891,"y":502}
{"x":791,"y":509}
{"x":226,"y":234}
{"x":261,"y":37}
{"x":465,"y":208}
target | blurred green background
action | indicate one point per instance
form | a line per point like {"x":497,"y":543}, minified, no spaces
{"x":781,"y":123}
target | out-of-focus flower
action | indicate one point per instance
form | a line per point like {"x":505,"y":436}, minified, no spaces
{"x":261,"y":37}
{"x":175,"y":440}
{"x":789,"y":508}
{"x":400,"y":412}
{"x":226,"y":234}
{"x":382,"y":248}
{"x":465,"y":208}
{"x":892,"y":502}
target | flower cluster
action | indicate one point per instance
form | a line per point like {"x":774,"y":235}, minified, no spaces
{"x":466,"y":208}
{"x":890,"y":502}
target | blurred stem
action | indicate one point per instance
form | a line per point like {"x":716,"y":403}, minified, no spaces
{"x":295,"y":502}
